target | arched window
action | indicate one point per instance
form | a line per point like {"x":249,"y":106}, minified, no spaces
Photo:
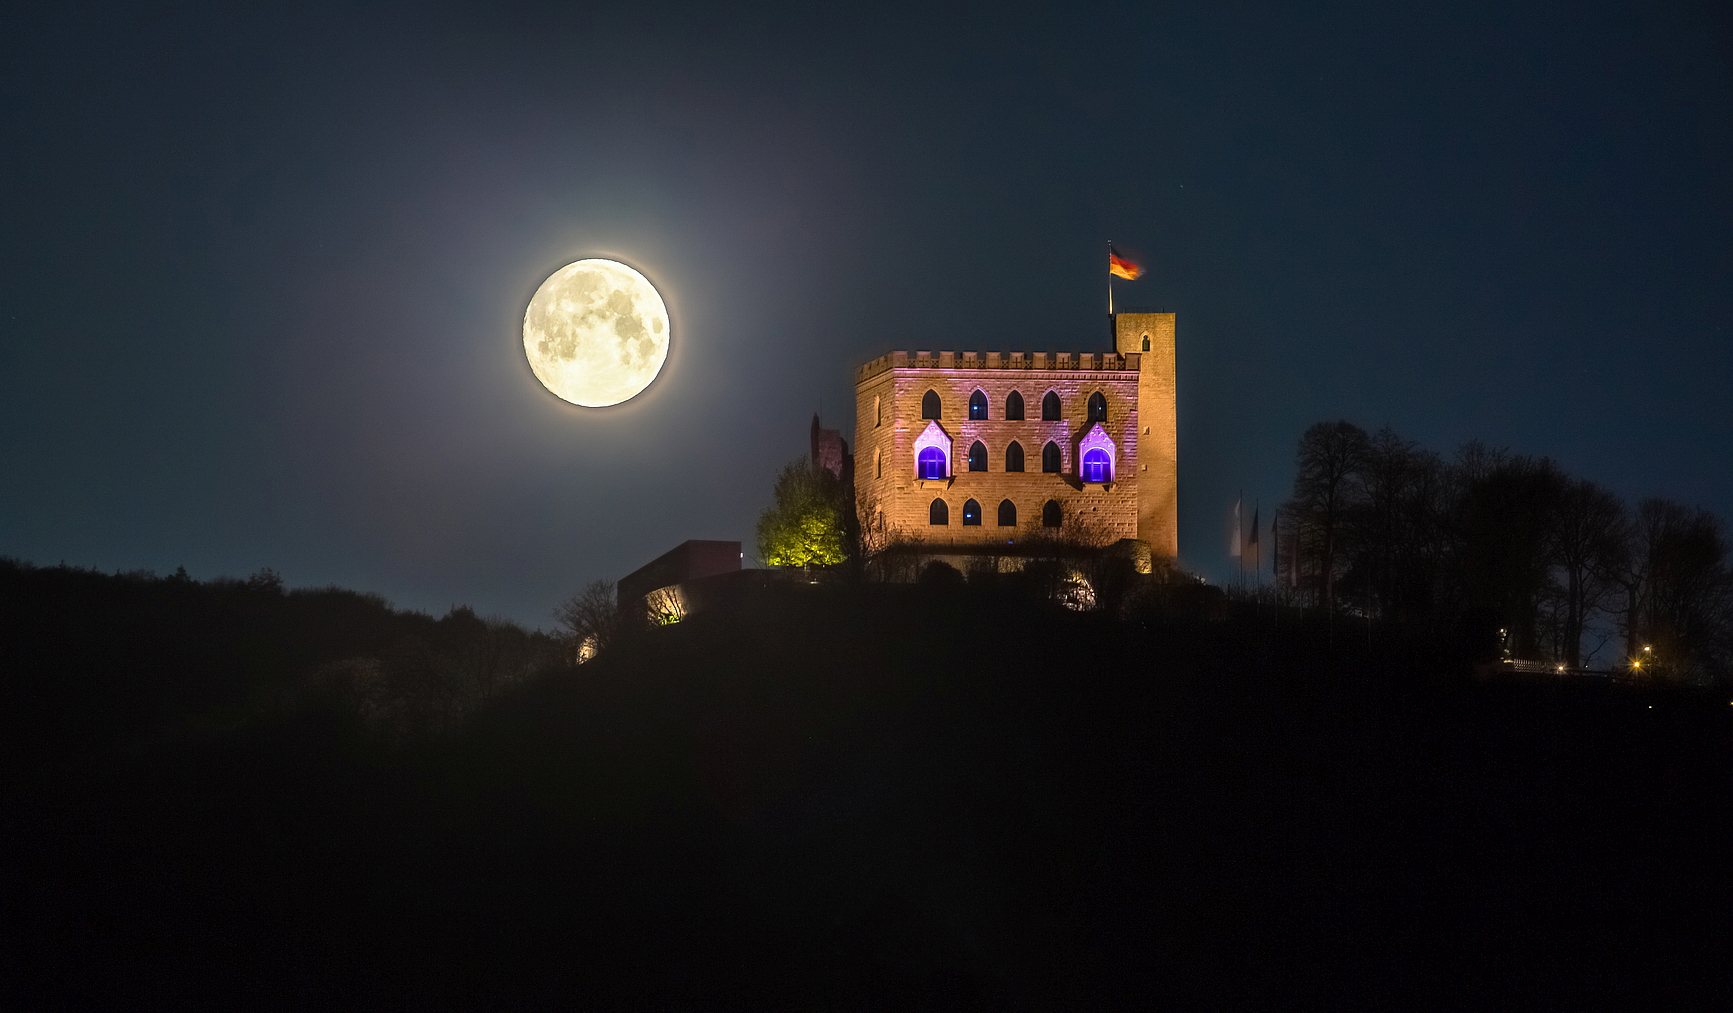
{"x":971,"y":514}
{"x":1050,"y":407}
{"x":977,"y":456}
{"x":977,"y":407}
{"x":1146,"y":342}
{"x":1097,"y":407}
{"x":1007,"y":514}
{"x":1050,"y":462}
{"x":1050,"y":514}
{"x":930,"y":405}
{"x":938,"y":513}
{"x":1014,"y":457}
{"x":931,"y":464}
{"x":1014,"y":407}
{"x":1097,"y":466}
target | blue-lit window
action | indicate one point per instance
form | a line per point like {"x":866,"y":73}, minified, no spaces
{"x":931,"y":463}
{"x":972,"y":514}
{"x":977,"y":407}
{"x":1097,"y":407}
{"x":938,"y":513}
{"x":977,"y":456}
{"x":1097,"y":467}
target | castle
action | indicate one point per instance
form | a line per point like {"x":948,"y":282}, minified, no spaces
{"x":970,"y":450}
{"x":977,"y":454}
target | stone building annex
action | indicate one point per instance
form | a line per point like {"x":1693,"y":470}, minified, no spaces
{"x":966,"y":450}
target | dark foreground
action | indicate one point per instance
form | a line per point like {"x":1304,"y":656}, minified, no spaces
{"x":945,"y":799}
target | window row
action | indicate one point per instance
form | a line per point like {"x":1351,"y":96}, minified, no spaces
{"x":940,"y":514}
{"x":1051,"y":409}
{"x":1096,"y":466}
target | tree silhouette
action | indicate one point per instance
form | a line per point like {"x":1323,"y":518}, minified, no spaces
{"x":590,"y":618}
{"x":1327,"y":467}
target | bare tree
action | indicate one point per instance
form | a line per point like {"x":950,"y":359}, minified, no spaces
{"x":1505,"y":521}
{"x":1589,"y":535}
{"x":1330,"y":458}
{"x":1682,"y":603}
{"x":591,"y":618}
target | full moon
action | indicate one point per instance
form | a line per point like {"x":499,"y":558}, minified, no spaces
{"x":596,"y":333}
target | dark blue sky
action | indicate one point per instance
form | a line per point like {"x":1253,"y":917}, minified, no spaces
{"x":264,"y":273}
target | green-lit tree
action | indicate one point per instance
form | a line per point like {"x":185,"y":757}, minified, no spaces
{"x":807,"y":526}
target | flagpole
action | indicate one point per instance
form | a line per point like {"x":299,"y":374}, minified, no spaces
{"x":1275,"y":561}
{"x":1112,"y":335}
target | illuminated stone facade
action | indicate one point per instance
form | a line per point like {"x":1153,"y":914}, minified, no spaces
{"x":1151,"y":336}
{"x":1116,"y":471}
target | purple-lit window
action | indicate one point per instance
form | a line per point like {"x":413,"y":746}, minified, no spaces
{"x":1097,"y":467}
{"x":931,"y":463}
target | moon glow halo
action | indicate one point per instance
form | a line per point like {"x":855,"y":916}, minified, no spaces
{"x":596,"y":333}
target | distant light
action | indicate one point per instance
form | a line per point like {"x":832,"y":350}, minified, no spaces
{"x":1648,"y":648}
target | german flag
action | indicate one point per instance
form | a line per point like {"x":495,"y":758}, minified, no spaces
{"x":1118,"y":265}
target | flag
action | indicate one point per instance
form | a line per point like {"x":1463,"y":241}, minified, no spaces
{"x":1252,"y":548}
{"x":1275,"y":544}
{"x":1118,"y":265}
{"x":1234,"y":546}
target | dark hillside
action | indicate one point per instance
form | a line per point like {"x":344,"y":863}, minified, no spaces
{"x":847,"y":796}
{"x":89,"y":661}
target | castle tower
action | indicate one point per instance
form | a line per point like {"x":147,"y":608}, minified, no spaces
{"x":1151,"y":335}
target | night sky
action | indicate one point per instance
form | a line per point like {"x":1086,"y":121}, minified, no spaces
{"x":264,"y":273}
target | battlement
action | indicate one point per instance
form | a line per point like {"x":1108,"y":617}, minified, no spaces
{"x":1059,"y":361}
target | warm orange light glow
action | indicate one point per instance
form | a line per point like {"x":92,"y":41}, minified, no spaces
{"x":1119,"y":266}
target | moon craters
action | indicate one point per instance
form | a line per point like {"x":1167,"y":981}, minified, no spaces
{"x":596,"y":333}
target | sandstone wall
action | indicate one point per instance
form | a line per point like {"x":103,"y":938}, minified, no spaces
{"x":889,"y":393}
{"x":1158,"y":410}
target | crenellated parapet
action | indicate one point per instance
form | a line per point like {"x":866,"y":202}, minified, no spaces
{"x":1039,"y":360}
